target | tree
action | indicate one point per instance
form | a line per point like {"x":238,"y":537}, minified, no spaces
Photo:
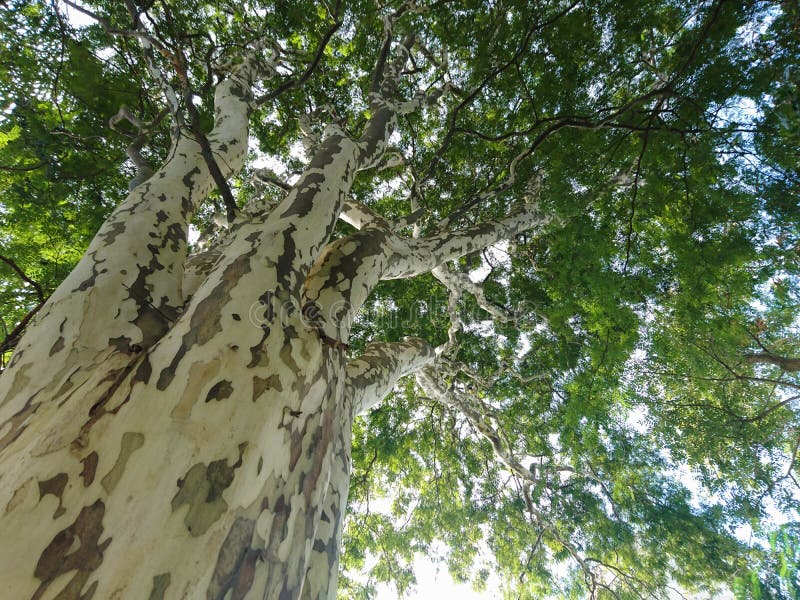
{"x":188,"y":416}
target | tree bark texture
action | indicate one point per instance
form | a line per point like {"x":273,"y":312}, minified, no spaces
{"x":179,"y":427}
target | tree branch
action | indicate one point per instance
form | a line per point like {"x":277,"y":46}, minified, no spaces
{"x":13,"y":337}
{"x":461,"y":281}
{"x":312,"y":66}
{"x":350,"y":267}
{"x":371,"y":376}
{"x":16,"y":268}
{"x":791,"y":365}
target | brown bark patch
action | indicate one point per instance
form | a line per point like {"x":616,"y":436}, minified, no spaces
{"x":58,"y":346}
{"x":236,"y":563}
{"x":55,"y":486}
{"x":220,"y":391}
{"x":199,"y":374}
{"x":20,"y":494}
{"x":205,"y":320}
{"x":131,"y":442}
{"x":75,"y":548}
{"x":17,"y":424}
{"x":261,"y":385}
{"x":89,"y":468}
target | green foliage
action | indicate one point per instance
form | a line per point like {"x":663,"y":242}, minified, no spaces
{"x":776,"y":575}
{"x":663,"y":136}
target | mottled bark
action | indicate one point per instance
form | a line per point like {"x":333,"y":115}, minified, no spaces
{"x":190,"y":409}
{"x":352,"y":266}
{"x":161,"y":410}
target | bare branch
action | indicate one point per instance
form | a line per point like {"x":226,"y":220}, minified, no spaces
{"x":791,"y":365}
{"x":16,"y":268}
{"x":312,"y":66}
{"x":350,"y":267}
{"x":462,"y":281}
{"x":371,"y":376}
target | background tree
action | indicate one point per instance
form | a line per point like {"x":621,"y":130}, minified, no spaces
{"x":575,"y":225}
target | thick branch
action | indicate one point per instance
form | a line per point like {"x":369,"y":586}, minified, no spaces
{"x":351,"y":267}
{"x":130,"y":279}
{"x":359,"y":215}
{"x":786,"y":363}
{"x":197,"y":268}
{"x":371,"y":376}
{"x":208,"y":156}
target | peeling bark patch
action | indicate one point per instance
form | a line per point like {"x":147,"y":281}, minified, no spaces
{"x":75,"y":548}
{"x":131,"y":442}
{"x":285,"y":263}
{"x":121,"y":343}
{"x":160,"y":584}
{"x":261,"y":385}
{"x":89,"y":468}
{"x":282,"y":511}
{"x":321,"y":440}
{"x":153,"y":321}
{"x":202,"y":489}
{"x":220,"y":391}
{"x":187,"y":179}
{"x":308,"y":186}
{"x":258,"y":357}
{"x":175,"y":236}
{"x":199,"y":375}
{"x":236,"y":563}
{"x":55,"y":486}
{"x":330,"y":547}
{"x":19,"y":495}
{"x":17,"y":423}
{"x":144,"y":371}
{"x":58,"y":346}
{"x":112,"y":231}
{"x":89,"y":283}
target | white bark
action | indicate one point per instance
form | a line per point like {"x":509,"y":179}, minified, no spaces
{"x":352,"y":266}
{"x":175,"y":422}
{"x":371,"y":376}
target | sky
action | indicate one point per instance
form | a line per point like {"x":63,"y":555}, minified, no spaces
{"x":436,"y":584}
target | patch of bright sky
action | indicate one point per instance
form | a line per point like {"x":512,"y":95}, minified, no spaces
{"x":497,"y":255}
{"x":75,"y":17}
{"x":434,"y":582}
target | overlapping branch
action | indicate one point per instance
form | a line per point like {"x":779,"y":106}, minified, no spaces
{"x":351,"y":267}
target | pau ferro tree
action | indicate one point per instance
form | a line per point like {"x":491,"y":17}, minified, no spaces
{"x":569,"y":223}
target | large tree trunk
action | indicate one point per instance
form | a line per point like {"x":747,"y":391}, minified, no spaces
{"x":182,"y":429}
{"x":154,"y":444}
{"x":208,"y":479}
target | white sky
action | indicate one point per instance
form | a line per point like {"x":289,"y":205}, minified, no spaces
{"x":433,"y":584}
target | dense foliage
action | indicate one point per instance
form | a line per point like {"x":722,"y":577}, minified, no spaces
{"x":649,"y":375}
